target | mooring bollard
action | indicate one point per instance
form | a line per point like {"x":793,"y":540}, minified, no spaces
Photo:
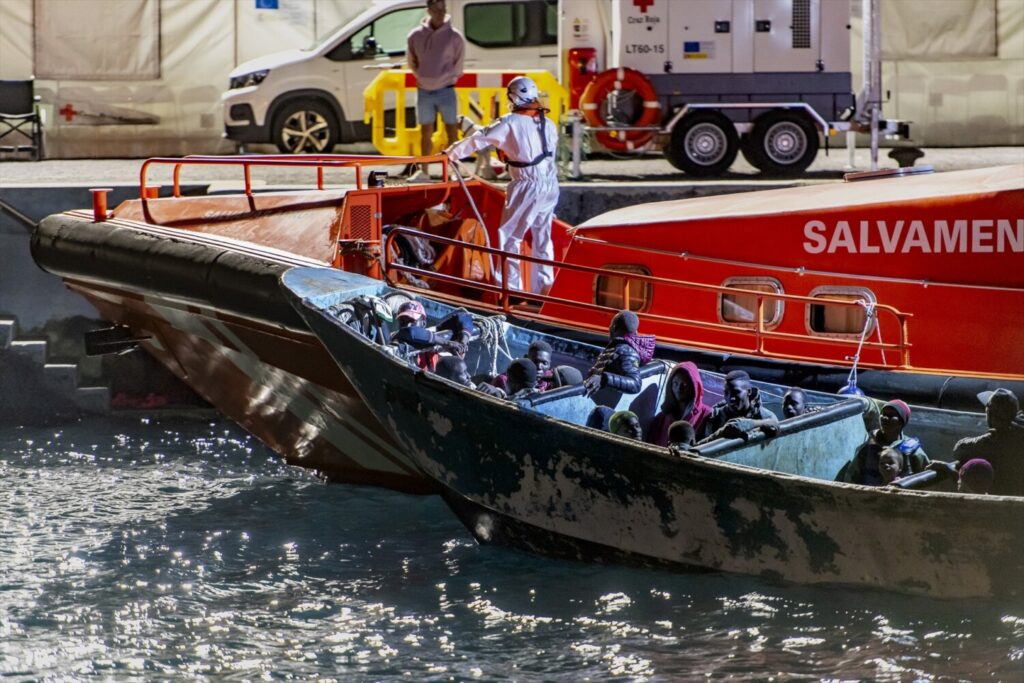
{"x":99,"y":203}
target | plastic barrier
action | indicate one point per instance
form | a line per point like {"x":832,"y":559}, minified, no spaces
{"x":481,"y":97}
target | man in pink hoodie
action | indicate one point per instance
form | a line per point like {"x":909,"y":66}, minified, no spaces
{"x":435,"y":51}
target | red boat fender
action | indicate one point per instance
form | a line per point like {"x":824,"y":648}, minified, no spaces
{"x":597,"y":92}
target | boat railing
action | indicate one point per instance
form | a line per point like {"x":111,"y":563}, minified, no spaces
{"x":505,"y":298}
{"x":320,"y":163}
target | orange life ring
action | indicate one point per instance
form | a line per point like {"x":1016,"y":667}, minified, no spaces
{"x":621,"y":79}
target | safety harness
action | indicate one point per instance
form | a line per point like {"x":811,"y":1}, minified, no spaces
{"x":538,"y":114}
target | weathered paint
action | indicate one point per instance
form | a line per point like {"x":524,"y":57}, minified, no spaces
{"x":518,"y":477}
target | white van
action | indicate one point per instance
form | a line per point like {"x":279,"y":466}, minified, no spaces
{"x":309,"y":100}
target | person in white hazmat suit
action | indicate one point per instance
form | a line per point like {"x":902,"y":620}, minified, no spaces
{"x":528,"y":140}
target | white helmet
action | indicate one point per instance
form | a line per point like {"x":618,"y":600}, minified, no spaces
{"x":522,"y":91}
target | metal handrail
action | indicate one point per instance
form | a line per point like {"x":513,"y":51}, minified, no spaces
{"x":319,"y":162}
{"x":758,"y":330}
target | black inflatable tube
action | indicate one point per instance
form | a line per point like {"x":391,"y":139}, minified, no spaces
{"x":202,"y":274}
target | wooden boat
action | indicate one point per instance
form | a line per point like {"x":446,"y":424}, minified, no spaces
{"x":194,"y":278}
{"x":529,"y":475}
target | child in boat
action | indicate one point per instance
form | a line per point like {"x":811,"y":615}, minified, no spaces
{"x":454,"y":368}
{"x":976,"y":476}
{"x":625,"y":423}
{"x":864,"y":467}
{"x":1002,"y":445}
{"x":739,"y":412}
{"x":890,"y":464}
{"x":618,"y":366}
{"x":522,"y":379}
{"x":794,"y":402}
{"x":412,"y":336}
{"x":684,"y":400}
{"x":681,"y":434}
{"x":540,"y":353}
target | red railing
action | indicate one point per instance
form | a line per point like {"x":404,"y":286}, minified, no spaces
{"x":319,"y":162}
{"x":760,"y":334}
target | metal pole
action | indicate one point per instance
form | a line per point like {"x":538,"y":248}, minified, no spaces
{"x":873,"y":70}
{"x":577,"y":147}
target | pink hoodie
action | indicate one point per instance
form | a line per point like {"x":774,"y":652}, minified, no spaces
{"x":657,"y":432}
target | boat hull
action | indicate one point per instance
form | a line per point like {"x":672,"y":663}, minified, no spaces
{"x":500,"y":463}
{"x":216,"y":319}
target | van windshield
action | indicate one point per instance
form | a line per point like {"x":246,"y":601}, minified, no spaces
{"x":389,"y":29}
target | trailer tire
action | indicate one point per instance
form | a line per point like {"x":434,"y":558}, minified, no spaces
{"x":305,"y":126}
{"x":703,"y":143}
{"x":781,"y":143}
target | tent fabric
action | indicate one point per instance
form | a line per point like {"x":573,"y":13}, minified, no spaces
{"x":949,"y":29}
{"x":96,"y":40}
{"x":168,"y":61}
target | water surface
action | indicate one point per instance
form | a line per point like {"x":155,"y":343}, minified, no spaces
{"x":183,"y":549}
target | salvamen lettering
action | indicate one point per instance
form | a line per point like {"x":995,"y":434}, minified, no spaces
{"x":958,"y":236}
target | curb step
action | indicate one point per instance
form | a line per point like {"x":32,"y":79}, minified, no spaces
{"x":34,"y":349}
{"x":61,"y":377}
{"x":94,"y":400}
{"x":8,"y":331}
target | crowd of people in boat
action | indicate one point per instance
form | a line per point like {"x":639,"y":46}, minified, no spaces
{"x":992,"y":462}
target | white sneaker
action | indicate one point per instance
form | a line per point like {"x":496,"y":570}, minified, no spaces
{"x":419,"y":176}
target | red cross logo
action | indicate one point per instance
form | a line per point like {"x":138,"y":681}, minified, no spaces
{"x":68,"y":112}
{"x":643,"y":5}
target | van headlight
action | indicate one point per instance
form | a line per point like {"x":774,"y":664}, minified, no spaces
{"x":245,"y":80}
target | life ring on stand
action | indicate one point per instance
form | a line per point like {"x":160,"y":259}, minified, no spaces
{"x":592,"y":103}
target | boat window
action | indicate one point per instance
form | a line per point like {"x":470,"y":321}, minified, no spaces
{"x":837,"y":320}
{"x":741,"y":309}
{"x":610,"y":290}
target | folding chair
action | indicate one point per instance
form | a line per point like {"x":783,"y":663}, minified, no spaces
{"x":20,"y":120}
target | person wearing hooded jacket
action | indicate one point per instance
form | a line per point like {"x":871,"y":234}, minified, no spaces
{"x":684,"y":400}
{"x":529,"y":140}
{"x":618,"y":366}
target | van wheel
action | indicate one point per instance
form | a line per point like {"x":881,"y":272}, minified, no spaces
{"x":782,"y":143}
{"x":305,"y":127}
{"x":703,"y":143}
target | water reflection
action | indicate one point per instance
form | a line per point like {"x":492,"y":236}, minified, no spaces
{"x":185,"y":549}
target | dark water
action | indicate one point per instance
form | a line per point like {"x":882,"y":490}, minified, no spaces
{"x":134,"y":548}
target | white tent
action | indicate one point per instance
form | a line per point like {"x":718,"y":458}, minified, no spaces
{"x":143,"y":77}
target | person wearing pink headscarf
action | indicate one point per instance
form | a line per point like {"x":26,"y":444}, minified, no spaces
{"x":684,"y":400}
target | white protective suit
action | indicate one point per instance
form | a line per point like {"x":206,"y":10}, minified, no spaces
{"x":531,"y":196}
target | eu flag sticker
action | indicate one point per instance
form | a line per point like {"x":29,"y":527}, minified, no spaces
{"x":691,"y":46}
{"x":266,"y":4}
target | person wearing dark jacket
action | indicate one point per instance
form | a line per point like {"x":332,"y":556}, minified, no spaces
{"x":739,"y":412}
{"x":618,"y":366}
{"x":1002,"y":446}
{"x":863,"y":468}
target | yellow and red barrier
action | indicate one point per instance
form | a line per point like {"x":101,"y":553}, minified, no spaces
{"x":481,"y":98}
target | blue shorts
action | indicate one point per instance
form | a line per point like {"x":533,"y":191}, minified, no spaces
{"x":430,"y":103}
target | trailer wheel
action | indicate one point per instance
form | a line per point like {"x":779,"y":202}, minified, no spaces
{"x":703,"y":143}
{"x":305,"y":126}
{"x":782,"y":143}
